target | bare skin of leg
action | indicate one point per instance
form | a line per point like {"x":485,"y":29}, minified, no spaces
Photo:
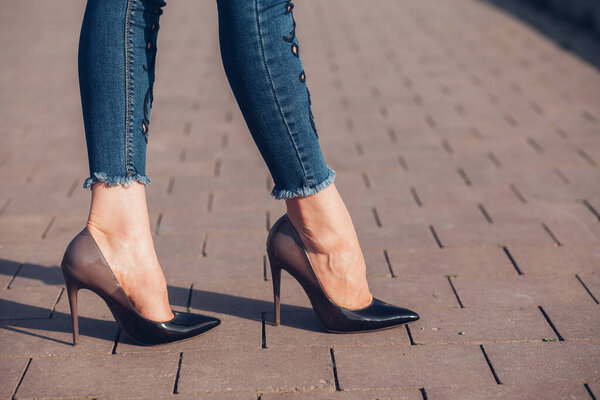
{"x":326,"y":229}
{"x":123,"y":235}
{"x":119,"y":223}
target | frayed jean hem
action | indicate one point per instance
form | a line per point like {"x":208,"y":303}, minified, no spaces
{"x":304,"y":190}
{"x":126,"y":181}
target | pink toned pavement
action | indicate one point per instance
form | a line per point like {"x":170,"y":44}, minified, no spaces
{"x":467,"y":147}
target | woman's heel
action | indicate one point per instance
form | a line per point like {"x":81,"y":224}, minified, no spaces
{"x":72,"y":289}
{"x":276,"y":277}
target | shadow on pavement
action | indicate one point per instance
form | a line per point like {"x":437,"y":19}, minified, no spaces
{"x":576,"y":39}
{"x":204,"y":301}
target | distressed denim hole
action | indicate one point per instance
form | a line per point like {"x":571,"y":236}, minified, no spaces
{"x":302,"y":76}
{"x":295,"y":49}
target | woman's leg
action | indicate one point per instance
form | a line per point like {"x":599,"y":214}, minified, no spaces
{"x":117,"y":50}
{"x":261,"y":57}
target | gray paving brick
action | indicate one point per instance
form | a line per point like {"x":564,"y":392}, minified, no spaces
{"x":54,"y":336}
{"x":550,"y":391}
{"x":462,"y":261}
{"x":521,"y":290}
{"x":555,"y":260}
{"x":265,"y":370}
{"x":574,"y":322}
{"x":397,"y":394}
{"x":411,"y":366}
{"x":479,"y":325}
{"x":28,"y":303}
{"x":123,"y":375}
{"x":12,"y":369}
{"x":555,"y":362}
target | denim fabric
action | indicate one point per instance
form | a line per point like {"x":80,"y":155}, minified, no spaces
{"x":261,"y":58}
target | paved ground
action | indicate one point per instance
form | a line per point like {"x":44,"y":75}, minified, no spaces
{"x":467,"y":149}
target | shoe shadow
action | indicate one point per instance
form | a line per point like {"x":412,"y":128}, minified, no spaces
{"x":240,"y":307}
{"x":34,"y":320}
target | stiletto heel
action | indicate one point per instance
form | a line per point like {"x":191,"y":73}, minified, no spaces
{"x":72,"y":290}
{"x":287,"y":251}
{"x":276,"y":276}
{"x":84,"y":267}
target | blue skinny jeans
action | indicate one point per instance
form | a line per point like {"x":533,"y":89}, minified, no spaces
{"x":261,"y":58}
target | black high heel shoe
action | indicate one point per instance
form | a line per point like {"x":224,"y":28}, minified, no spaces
{"x":286,"y":251}
{"x":84,"y":267}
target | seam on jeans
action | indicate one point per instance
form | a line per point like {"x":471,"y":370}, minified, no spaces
{"x":128,"y":84}
{"x":262,"y":50}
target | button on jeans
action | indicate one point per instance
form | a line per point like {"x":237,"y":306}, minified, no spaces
{"x":261,"y":58}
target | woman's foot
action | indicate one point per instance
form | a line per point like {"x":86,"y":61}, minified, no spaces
{"x":120,"y":225}
{"x":326,"y":229}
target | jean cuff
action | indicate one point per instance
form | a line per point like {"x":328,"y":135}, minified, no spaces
{"x":125,"y":180}
{"x":304,"y":190}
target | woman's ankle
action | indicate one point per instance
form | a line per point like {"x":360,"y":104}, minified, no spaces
{"x":323,"y":220}
{"x":118,"y":212}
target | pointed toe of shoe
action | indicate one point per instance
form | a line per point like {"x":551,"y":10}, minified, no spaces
{"x":391,"y":315}
{"x":192,"y":323}
{"x":379,"y":315}
{"x":182,"y":326}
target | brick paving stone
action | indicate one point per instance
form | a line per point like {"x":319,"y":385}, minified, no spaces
{"x":11,"y":369}
{"x":415,"y":293}
{"x":26,"y":198}
{"x":123,"y":375}
{"x":398,"y":394}
{"x":236,"y":244}
{"x":539,"y":362}
{"x":40,"y":252}
{"x":563,"y":221}
{"x":397,"y":236}
{"x":574,"y":321}
{"x":462,"y":261}
{"x":476,"y":234}
{"x":234,"y":199}
{"x":549,"y":391}
{"x":28,"y":303}
{"x":592,"y":283}
{"x":66,"y":226}
{"x":54,"y":336}
{"x":433,"y":215}
{"x":181,"y":396}
{"x":179,"y":269}
{"x":555,"y":260}
{"x":595,"y":388}
{"x":264,"y":370}
{"x":522,"y":290}
{"x":37,"y":275}
{"x":480,"y":325}
{"x":188,"y":245}
{"x":8,"y":268}
{"x":18,"y":228}
{"x":410,"y":366}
